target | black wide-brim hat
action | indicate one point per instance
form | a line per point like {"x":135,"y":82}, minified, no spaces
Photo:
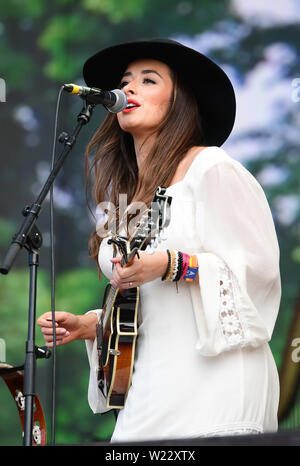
{"x":209,"y":83}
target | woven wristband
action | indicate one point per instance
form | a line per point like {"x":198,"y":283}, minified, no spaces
{"x":186,"y":259}
{"x":192,"y":269}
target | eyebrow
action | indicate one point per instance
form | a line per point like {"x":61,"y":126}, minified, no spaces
{"x":129,"y":73}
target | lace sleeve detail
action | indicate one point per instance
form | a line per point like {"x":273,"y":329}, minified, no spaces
{"x":230,"y":321}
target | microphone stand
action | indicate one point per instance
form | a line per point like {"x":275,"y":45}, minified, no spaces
{"x":30,"y":237}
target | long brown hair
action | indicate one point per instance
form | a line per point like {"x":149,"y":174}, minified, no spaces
{"x":114,"y":165}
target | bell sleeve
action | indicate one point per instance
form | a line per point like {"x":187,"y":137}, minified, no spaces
{"x":237,"y":299}
{"x":96,"y":399}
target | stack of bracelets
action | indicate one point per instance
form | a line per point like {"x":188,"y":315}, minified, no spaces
{"x":181,"y":266}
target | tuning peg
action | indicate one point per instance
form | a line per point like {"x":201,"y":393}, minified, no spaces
{"x":154,"y":243}
{"x":162,"y":235}
{"x":149,"y":249}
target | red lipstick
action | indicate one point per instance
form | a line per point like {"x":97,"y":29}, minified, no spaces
{"x":131,"y":105}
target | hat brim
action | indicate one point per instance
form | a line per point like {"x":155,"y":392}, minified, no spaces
{"x":210,"y":84}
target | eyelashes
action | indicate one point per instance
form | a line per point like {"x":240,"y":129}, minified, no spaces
{"x":145,"y":81}
{"x":123,"y":84}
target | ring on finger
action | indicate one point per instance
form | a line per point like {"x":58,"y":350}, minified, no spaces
{"x":130,"y":284}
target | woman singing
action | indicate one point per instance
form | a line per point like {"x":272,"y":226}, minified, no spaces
{"x":210,"y":293}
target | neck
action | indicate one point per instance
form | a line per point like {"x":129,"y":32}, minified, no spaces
{"x":142,"y":147}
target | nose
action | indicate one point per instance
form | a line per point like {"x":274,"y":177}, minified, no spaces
{"x":129,"y":88}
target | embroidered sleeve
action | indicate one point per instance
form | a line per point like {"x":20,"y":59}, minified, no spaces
{"x":239,"y":274}
{"x":230,"y":320}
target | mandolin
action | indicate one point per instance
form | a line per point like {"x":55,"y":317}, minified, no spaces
{"x":117,"y":329}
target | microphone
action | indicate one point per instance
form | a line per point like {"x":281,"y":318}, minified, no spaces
{"x":114,"y":101}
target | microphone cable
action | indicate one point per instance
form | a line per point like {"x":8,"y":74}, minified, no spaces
{"x":52,"y":260}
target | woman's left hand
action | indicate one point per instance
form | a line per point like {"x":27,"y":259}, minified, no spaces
{"x":143,"y":269}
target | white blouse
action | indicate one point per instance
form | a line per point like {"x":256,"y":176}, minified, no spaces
{"x":203,"y":364}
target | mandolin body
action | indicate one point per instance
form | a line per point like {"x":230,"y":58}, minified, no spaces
{"x":118,"y":347}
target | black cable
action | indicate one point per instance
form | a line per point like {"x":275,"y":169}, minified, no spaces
{"x":52,"y":252}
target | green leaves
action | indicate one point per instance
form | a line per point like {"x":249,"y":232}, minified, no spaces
{"x":20,"y":9}
{"x":62,"y":38}
{"x":6,"y":231}
{"x":79,"y":290}
{"x":117,"y":11}
{"x":16,"y":60}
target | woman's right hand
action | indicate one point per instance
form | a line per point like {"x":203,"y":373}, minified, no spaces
{"x":67,"y":327}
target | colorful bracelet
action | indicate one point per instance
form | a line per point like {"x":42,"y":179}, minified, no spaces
{"x":186,"y":259}
{"x":192,"y":269}
{"x":181,"y":266}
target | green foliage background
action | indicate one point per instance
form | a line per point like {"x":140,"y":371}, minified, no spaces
{"x":43,"y":44}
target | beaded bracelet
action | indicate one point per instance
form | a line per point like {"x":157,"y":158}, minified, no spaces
{"x":172,"y":268}
{"x":179,"y":266}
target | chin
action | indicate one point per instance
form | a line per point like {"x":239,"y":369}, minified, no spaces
{"x":131,"y":128}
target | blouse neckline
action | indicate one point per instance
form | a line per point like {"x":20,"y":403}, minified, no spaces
{"x":189,"y":169}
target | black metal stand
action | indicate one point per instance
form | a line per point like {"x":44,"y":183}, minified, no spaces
{"x":33,"y":244}
{"x":30,"y":237}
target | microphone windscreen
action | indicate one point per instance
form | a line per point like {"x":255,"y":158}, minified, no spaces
{"x":121,"y":101}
